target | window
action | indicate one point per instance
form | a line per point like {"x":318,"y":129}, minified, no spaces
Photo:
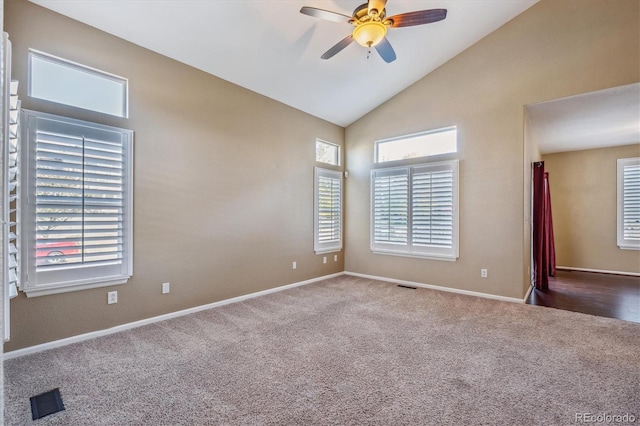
{"x":328,"y":211}
{"x":414,"y":210}
{"x":78,"y":220}
{"x":58,"y":80}
{"x":327,"y":152}
{"x":425,"y":144}
{"x":629,"y":203}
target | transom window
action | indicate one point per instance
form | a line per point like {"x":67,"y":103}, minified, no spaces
{"x":424,"y":144}
{"x":65,"y":82}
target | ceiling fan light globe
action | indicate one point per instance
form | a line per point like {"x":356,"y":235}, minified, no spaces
{"x":370,"y":33}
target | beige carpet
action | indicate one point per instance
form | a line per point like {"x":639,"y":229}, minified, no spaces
{"x":345,"y":351}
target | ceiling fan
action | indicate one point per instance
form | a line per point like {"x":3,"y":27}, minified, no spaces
{"x":371,"y":25}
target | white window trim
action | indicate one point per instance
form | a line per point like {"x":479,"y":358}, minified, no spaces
{"x":623,"y":243}
{"x":407,"y":250}
{"x":334,"y":246}
{"x":29,"y":276}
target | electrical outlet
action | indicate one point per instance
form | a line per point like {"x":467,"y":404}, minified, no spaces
{"x":166,"y":288}
{"x":324,"y":259}
{"x":295,"y":265}
{"x":484,"y":273}
{"x":112,"y":297}
{"x":335,"y":257}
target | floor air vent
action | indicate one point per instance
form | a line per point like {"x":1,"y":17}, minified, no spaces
{"x":46,"y":403}
{"x":407,"y":286}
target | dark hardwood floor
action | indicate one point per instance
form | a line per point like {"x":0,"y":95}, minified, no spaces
{"x":605,"y":295}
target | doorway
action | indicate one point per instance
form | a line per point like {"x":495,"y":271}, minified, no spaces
{"x":580,"y":139}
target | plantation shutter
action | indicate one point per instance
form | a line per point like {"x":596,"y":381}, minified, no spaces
{"x":79,"y":198}
{"x":390,"y":199}
{"x":432,"y":192}
{"x":328,"y":211}
{"x":81,"y":218}
{"x":629,"y":203}
{"x":414,"y":210}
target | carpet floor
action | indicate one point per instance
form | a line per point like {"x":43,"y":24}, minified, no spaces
{"x":345,"y":351}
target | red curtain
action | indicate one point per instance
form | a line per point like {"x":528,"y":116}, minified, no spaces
{"x":544,"y":251}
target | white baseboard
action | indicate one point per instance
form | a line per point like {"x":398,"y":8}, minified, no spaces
{"x":439,"y":288}
{"x":597,"y":271}
{"x":91,"y":335}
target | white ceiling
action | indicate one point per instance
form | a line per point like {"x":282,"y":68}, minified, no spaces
{"x":598,"y":119}
{"x":267,"y":46}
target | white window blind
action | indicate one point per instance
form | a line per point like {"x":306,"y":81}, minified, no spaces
{"x":629,"y":203}
{"x":414,"y":210}
{"x":328,"y":211}
{"x":80,"y":185}
{"x":9,"y":190}
{"x":390,"y":209}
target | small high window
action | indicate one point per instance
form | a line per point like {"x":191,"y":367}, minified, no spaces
{"x":65,"y":82}
{"x":424,"y":144}
{"x":327,"y":153}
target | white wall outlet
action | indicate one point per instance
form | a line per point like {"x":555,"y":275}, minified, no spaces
{"x":166,"y":288}
{"x":335,"y":257}
{"x":112,"y":297}
{"x":484,"y":273}
{"x":295,"y":265}
{"x":324,"y":259}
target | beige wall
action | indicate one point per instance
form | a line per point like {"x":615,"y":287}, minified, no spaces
{"x":583,"y":198}
{"x":223,"y":183}
{"x":223,"y":176}
{"x":554,"y":49}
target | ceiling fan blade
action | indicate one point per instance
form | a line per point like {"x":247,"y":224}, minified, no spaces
{"x":418,"y":17}
{"x":386,"y":51}
{"x":377,"y":5}
{"x":325,"y":14}
{"x":338,"y":47}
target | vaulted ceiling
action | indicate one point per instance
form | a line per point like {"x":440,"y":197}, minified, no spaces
{"x":269,"y":47}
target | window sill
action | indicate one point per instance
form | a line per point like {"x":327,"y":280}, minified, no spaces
{"x":629,"y":247}
{"x":447,"y":258}
{"x":327,"y":251}
{"x":60,"y":288}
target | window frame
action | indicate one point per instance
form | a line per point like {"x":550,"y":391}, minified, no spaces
{"x":332,"y":246}
{"x":81,"y":68}
{"x":321,"y":141}
{"x":622,"y":242}
{"x":82,"y":276}
{"x":408,"y":249}
{"x":376,"y":150}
